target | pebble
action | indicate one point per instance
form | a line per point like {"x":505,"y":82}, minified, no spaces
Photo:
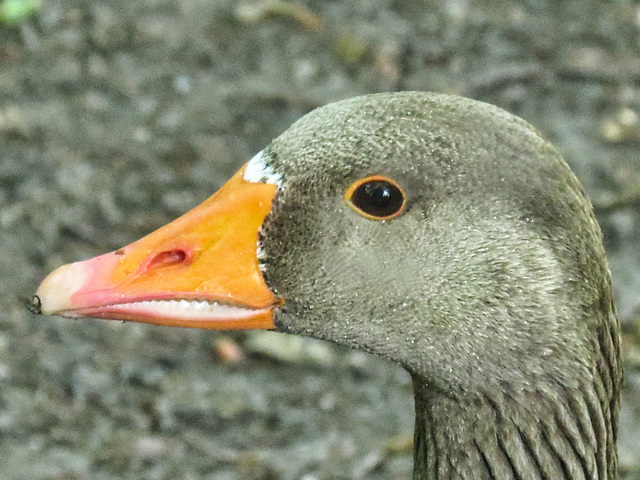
{"x":289,"y":348}
{"x":623,"y":126}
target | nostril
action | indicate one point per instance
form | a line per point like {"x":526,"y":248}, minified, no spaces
{"x":169,"y":257}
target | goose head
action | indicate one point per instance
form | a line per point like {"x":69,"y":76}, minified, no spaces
{"x":439,"y":232}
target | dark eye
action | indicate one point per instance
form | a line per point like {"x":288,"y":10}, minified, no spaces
{"x":376,"y":198}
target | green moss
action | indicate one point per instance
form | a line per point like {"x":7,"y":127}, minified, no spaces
{"x":351,"y":49}
{"x":13,"y":12}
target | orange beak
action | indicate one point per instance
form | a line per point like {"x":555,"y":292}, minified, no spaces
{"x":200,"y":270}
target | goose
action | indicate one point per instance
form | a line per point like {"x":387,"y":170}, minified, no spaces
{"x":439,"y":232}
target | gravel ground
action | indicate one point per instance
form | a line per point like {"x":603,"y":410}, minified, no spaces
{"x":118,"y":115}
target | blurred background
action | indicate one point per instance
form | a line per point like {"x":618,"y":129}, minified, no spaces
{"x":116,"y":116}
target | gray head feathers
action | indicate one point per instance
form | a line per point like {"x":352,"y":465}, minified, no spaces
{"x":491,"y":287}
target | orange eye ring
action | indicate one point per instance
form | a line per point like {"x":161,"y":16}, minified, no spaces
{"x":376,"y":197}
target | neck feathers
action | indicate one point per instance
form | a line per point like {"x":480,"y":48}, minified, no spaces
{"x":542,"y":431}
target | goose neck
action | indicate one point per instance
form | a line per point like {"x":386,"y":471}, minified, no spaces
{"x":544,"y":432}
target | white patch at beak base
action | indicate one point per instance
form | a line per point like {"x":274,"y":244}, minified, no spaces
{"x":257,"y":171}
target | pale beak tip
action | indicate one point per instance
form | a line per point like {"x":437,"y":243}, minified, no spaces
{"x":55,"y":292}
